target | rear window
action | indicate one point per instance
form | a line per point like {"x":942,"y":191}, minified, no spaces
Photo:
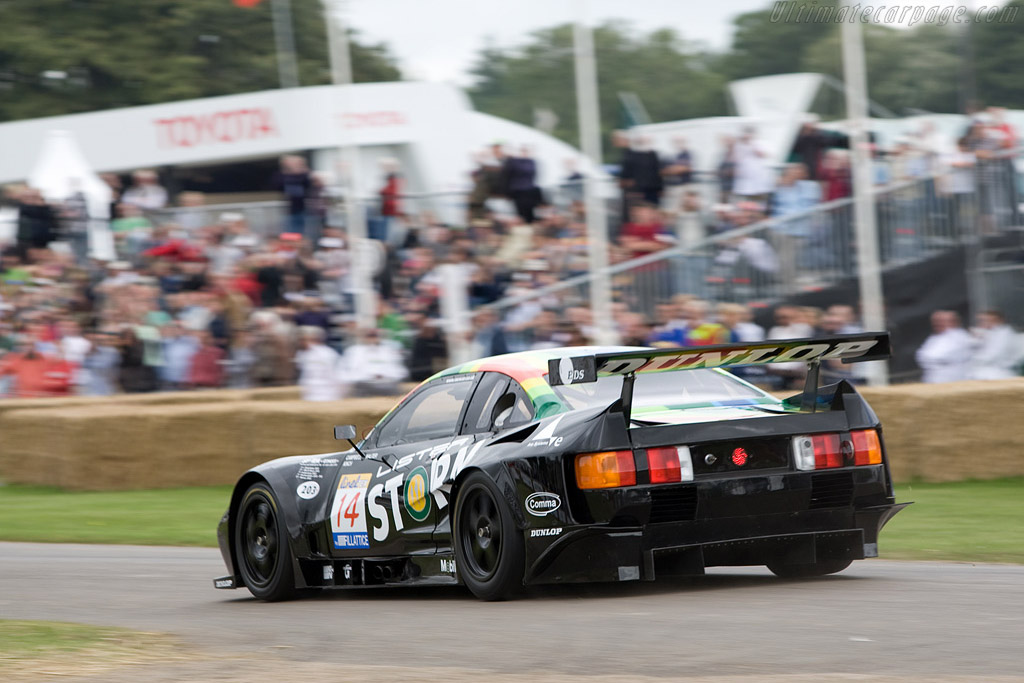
{"x":669,"y":389}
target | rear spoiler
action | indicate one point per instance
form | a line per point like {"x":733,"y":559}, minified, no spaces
{"x":849,"y":348}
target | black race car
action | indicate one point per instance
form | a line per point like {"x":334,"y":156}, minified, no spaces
{"x":578,"y":464}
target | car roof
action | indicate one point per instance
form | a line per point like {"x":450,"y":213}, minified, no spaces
{"x":529,"y":368}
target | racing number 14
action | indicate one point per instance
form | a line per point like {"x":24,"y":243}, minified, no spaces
{"x":348,"y":517}
{"x":351,"y":510}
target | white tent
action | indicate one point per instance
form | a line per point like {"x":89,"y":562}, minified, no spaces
{"x":59,"y":170}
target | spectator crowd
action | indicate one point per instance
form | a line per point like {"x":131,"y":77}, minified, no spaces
{"x":190,"y":303}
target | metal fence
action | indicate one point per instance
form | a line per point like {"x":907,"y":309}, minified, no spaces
{"x":772,"y":259}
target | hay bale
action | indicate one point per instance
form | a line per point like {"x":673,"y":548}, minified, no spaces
{"x":31,"y":448}
{"x":303,"y":427}
{"x":952,"y":432}
{"x":947,"y":432}
{"x":290,"y":393}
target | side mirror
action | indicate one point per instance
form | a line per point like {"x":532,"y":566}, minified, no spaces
{"x":344,"y":432}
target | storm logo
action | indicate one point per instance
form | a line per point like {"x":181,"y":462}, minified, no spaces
{"x":417,"y":499}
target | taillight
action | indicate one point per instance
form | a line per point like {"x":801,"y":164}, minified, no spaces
{"x":827,"y":452}
{"x":663,"y":464}
{"x":605,"y":470}
{"x":867,"y":449}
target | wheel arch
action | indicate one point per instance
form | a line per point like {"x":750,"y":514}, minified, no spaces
{"x":241,"y":486}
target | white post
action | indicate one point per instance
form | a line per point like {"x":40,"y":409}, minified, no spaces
{"x":590,"y":144}
{"x":284,"y":37}
{"x":869,"y":269}
{"x":360,"y":254}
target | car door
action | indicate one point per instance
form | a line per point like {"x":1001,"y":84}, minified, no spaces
{"x":384,"y":503}
{"x":496,"y":395}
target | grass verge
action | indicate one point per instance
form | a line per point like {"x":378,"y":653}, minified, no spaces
{"x":37,"y":650}
{"x":185,"y":516}
{"x":975,"y":521}
{"x":971,"y":521}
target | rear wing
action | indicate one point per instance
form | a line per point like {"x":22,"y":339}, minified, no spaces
{"x":848,"y":348}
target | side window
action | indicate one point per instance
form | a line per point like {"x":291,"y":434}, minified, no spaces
{"x":480,"y":416}
{"x":522,"y":409}
{"x":432,"y":413}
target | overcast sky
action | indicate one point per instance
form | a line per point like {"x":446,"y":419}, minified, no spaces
{"x":437,"y":40}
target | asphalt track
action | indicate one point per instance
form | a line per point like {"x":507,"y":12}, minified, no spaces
{"x":905,"y":620}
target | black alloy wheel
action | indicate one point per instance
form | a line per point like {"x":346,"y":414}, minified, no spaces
{"x":489,"y":548}
{"x":261,"y":546}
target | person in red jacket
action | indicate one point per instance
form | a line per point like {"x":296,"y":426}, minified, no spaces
{"x":207,"y":364}
{"x":36,"y":375}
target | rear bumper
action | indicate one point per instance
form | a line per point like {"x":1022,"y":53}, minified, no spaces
{"x":607,"y":553}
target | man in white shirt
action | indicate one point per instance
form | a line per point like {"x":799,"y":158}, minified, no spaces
{"x":146,"y":191}
{"x":997,"y":351}
{"x":373,"y":367}
{"x":74,"y":348}
{"x":754,"y":177}
{"x":318,"y":366}
{"x":945,"y":354}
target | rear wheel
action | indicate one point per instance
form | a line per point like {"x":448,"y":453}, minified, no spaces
{"x":488,"y":547}
{"x":261,"y":546}
{"x":806,"y":571}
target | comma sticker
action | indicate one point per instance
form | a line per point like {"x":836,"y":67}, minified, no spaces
{"x":542,"y":503}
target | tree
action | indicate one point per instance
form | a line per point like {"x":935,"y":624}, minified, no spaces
{"x":906,"y":70}
{"x":776,"y":40}
{"x":998,"y":54}
{"x":671,"y":78}
{"x":119,"y":53}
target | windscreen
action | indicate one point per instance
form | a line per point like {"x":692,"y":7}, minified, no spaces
{"x":668,"y":389}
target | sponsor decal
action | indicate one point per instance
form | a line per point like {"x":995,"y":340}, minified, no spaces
{"x":416,"y":494}
{"x":553,"y":531}
{"x":751,"y":355}
{"x":310,"y":468}
{"x":226,"y":582}
{"x":546,"y":436}
{"x":328,"y":572}
{"x":308,"y":490}
{"x":217,"y":128}
{"x":420,"y":485}
{"x":348,"y":514}
{"x":542,"y":503}
{"x":448,"y":565}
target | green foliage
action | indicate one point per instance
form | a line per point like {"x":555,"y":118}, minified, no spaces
{"x":671,"y":77}
{"x":776,"y":40}
{"x":119,"y":53}
{"x":902,"y":74}
{"x":999,"y":52}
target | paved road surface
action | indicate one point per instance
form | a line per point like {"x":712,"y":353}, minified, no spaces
{"x":927,"y":621}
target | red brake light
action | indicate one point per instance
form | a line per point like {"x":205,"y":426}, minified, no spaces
{"x":663,"y":464}
{"x":739,"y":457}
{"x":826,"y":451}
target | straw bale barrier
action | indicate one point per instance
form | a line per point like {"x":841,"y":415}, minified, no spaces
{"x":967,"y":430}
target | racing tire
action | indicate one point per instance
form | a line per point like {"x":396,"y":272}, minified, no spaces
{"x":807,"y":571}
{"x":261,"y":546}
{"x":489,"y":550}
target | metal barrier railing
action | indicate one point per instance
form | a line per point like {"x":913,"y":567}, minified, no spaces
{"x":807,"y":250}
